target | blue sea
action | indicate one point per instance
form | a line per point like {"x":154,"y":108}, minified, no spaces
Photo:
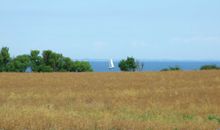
{"x":102,"y":66}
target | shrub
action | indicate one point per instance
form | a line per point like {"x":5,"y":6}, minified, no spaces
{"x":176,"y":68}
{"x":214,"y":118}
{"x":209,"y":67}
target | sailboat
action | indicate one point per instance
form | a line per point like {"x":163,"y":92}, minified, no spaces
{"x":111,"y":64}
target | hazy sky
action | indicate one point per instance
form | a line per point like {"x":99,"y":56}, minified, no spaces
{"x":100,"y":29}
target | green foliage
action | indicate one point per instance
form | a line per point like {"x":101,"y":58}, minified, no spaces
{"x":82,"y":66}
{"x":4,"y":58}
{"x":214,"y":118}
{"x":123,"y":65}
{"x":52,"y":59}
{"x":19,"y":64}
{"x":44,"y":68}
{"x":165,"y":69}
{"x":176,"y":68}
{"x":188,"y":117}
{"x":129,"y":64}
{"x":68,"y":64}
{"x":58,"y":63}
{"x":36,"y":60}
{"x":209,"y":67}
{"x":48,"y":62}
{"x":47,"y":55}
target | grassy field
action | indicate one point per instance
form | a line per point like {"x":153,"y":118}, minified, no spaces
{"x":110,"y":101}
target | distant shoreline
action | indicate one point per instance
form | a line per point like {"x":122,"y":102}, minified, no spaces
{"x":145,"y":60}
{"x":102,"y":66}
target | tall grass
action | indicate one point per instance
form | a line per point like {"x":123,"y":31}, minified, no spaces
{"x":110,"y":101}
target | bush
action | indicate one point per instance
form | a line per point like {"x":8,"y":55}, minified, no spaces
{"x":214,"y":118}
{"x":209,"y":67}
{"x":176,"y":68}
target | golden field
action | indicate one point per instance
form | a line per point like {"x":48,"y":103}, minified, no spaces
{"x":110,"y":101}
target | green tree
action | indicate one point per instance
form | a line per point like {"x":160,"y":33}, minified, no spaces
{"x":68,"y":64}
{"x":54,"y":60}
{"x":82,"y":66}
{"x":57,"y":62}
{"x":36,"y":60}
{"x":47,"y":55}
{"x":4,"y":58}
{"x":128,"y":65}
{"x":123,"y":65}
{"x":19,"y":64}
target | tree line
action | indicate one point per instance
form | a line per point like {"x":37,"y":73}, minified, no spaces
{"x":48,"y":61}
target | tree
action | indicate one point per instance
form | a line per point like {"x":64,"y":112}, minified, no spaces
{"x":57,"y":62}
{"x":19,"y":64}
{"x":36,"y":60}
{"x":128,"y":65}
{"x":47,"y":54}
{"x":4,"y":58}
{"x":68,"y":64}
{"x":54,"y":60}
{"x":123,"y":65}
{"x":82,"y":66}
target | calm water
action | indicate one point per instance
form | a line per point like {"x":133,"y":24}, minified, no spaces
{"x":102,"y":66}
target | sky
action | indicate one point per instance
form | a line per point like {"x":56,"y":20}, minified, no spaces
{"x":104,"y":29}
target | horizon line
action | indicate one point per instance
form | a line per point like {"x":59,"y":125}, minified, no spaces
{"x":156,"y":60}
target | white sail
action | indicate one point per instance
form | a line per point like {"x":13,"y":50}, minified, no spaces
{"x":111,"y":64}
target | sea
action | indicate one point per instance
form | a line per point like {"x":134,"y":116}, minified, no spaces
{"x":102,"y":66}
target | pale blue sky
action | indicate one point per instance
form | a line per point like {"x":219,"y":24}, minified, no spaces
{"x":103,"y":29}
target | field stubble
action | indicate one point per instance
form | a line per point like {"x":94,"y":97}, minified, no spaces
{"x":110,"y":101}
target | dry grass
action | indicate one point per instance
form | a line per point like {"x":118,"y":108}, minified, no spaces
{"x":110,"y":101}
